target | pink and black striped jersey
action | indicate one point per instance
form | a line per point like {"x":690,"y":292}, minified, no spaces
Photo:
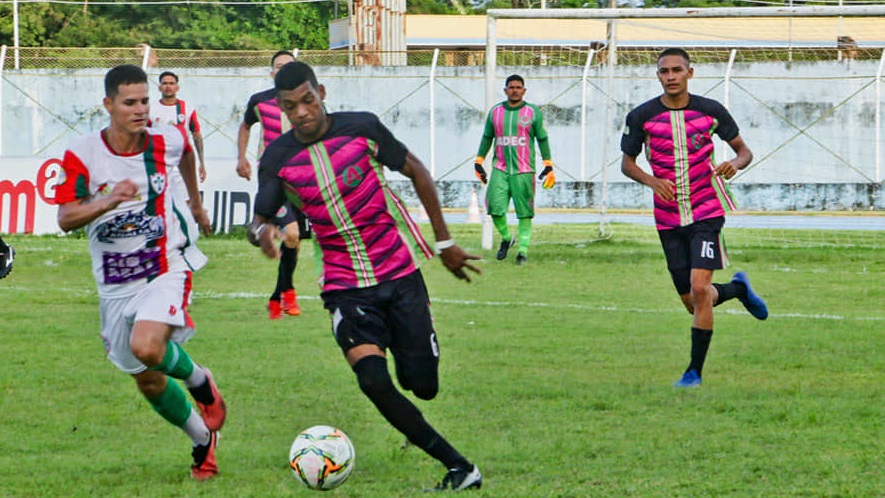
{"x":679,"y":147}
{"x":363,"y":228}
{"x":263,"y":108}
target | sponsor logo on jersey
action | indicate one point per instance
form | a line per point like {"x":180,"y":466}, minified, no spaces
{"x":513,"y":141}
{"x":131,"y":224}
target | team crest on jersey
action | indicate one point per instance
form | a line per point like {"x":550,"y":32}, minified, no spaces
{"x":525,"y":120}
{"x":697,"y":141}
{"x":181,"y":118}
{"x":353,"y":176}
{"x":158,"y":182}
{"x":282,"y":211}
{"x":131,"y":224}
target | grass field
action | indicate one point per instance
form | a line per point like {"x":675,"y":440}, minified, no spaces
{"x":556,"y":378}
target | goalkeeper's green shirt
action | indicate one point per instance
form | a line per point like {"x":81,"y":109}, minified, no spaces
{"x":515,"y":130}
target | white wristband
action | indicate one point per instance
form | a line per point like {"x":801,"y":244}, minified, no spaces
{"x":444,"y":244}
{"x":256,"y":232}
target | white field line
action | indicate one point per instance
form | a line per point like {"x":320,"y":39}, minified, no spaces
{"x":474,"y":302}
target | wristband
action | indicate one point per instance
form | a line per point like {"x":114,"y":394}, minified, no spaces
{"x":479,"y":160}
{"x":444,"y":244}
{"x":256,"y":232}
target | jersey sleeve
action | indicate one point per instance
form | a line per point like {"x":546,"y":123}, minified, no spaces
{"x":270,"y":195}
{"x":390,"y":151}
{"x":633,"y":136}
{"x":75,"y":181}
{"x":488,"y":134}
{"x":194,"y":123}
{"x":250,"y":117}
{"x":727,"y":128}
{"x":539,"y":128}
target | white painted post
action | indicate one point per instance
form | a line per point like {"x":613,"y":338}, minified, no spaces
{"x":491,"y":63}
{"x":584,"y":92}
{"x":433,"y":113}
{"x":15,"y":29}
{"x":878,"y":132}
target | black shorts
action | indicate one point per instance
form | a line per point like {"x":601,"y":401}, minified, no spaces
{"x":392,"y":315}
{"x":288,"y":214}
{"x":698,"y":245}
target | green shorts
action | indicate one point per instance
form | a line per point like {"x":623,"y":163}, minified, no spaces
{"x":503,"y":187}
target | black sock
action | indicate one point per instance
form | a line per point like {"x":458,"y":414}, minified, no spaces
{"x":202,"y":393}
{"x":728,"y":291}
{"x":700,"y":343}
{"x":285,"y":270}
{"x":376,"y":384}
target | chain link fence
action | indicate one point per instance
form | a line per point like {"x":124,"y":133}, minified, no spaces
{"x":82,"y":58}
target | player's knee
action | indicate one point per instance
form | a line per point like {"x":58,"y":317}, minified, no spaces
{"x":372,"y":375}
{"x":425,"y":389}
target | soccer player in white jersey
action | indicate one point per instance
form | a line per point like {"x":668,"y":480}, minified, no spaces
{"x":174,"y":111}
{"x":117,"y":183}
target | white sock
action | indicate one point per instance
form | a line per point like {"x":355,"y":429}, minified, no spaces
{"x":196,"y":429}
{"x":197,"y":378}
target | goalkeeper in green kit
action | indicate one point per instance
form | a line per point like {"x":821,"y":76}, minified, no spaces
{"x":514,"y":125}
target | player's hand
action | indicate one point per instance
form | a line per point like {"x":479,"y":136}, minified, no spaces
{"x":202,"y":219}
{"x":456,"y":260}
{"x":726,"y":170}
{"x":125,"y":190}
{"x":665,"y":189}
{"x":265,"y":236}
{"x":548,"y":177}
{"x":480,"y":173}
{"x":202,"y":173}
{"x":244,"y":169}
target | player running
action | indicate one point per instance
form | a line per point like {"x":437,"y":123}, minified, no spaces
{"x":262,"y":108}
{"x":332,"y":167}
{"x":118,"y":184}
{"x":690,"y":195}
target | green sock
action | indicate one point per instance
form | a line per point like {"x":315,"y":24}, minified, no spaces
{"x":525,"y":235}
{"x":172,"y":404}
{"x":176,"y":362}
{"x":501,"y":225}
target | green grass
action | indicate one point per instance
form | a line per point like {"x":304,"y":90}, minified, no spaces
{"x":556,"y":378}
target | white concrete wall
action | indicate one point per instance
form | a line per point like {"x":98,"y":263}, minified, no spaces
{"x":810,"y":125}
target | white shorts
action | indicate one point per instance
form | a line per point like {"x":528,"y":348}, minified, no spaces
{"x":164,"y":300}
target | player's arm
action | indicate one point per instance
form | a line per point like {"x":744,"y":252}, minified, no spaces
{"x":453,"y":257}
{"x":547,"y":176}
{"x":665,"y":189}
{"x":262,"y":231}
{"x":77,"y":214}
{"x":198,"y":144}
{"x":244,"y":169}
{"x":743,"y":158}
{"x":188,"y":169}
{"x":485,"y":144}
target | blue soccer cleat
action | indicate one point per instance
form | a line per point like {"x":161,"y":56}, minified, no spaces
{"x":689,"y":379}
{"x":754,"y":304}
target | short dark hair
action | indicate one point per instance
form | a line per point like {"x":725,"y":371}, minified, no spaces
{"x":514,"y":77}
{"x":167,"y":73}
{"x":278,"y":54}
{"x":125,"y":74}
{"x":293,"y":75}
{"x":675,"y":51}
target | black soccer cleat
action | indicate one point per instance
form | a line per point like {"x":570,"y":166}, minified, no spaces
{"x":505,"y":247}
{"x":6,"y":258}
{"x":521,"y":259}
{"x":460,"y":479}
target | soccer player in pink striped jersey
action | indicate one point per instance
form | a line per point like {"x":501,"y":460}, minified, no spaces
{"x":262,"y":108}
{"x":331,"y":166}
{"x":690,"y":195}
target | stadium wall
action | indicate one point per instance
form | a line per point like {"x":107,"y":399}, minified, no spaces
{"x":810,"y":125}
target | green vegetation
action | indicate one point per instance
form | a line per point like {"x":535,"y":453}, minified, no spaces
{"x":556,"y":377}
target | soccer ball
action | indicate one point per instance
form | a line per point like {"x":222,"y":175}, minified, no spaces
{"x":321,"y":457}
